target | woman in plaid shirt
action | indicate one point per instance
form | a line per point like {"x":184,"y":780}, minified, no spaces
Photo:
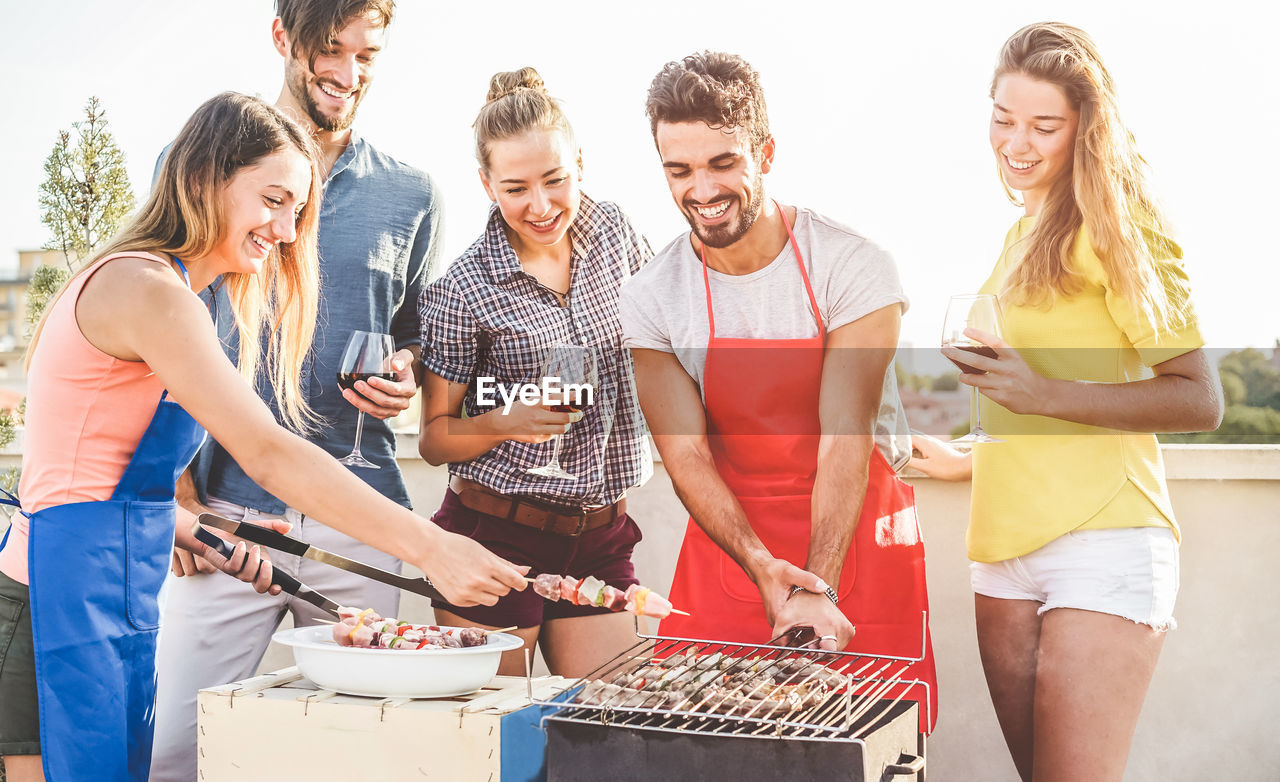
{"x":547,"y":270}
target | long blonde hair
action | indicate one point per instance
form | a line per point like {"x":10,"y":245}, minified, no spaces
{"x":1106,"y":193}
{"x":183,"y":217}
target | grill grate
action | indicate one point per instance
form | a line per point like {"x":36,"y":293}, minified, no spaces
{"x":771,"y":691}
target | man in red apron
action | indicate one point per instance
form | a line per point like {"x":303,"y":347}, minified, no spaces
{"x":763,"y":343}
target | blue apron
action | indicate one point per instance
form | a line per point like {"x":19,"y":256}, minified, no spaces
{"x":96,"y":569}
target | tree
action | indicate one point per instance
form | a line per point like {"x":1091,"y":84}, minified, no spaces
{"x":86,"y":192}
{"x":1261,"y":380}
{"x":947,"y":382}
{"x":46,"y":281}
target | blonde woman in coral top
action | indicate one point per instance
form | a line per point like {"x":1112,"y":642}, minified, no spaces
{"x":1071,"y":533}
{"x":126,"y":374}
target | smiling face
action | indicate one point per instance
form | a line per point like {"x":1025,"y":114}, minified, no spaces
{"x":331,"y":89}
{"x":715,"y":178}
{"x":260,"y":206}
{"x":1033,"y":134}
{"x":533,"y":177}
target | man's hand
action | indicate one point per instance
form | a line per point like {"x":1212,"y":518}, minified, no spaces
{"x":775,"y":580}
{"x":807,"y":609}
{"x":386,"y":398}
{"x":247,"y":563}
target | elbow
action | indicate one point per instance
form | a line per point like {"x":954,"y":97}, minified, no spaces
{"x":1213,"y":406}
{"x":1206,"y":414}
{"x":429,"y":454}
{"x":1213,"y":415}
{"x":430,"y":451}
{"x":264,"y":462}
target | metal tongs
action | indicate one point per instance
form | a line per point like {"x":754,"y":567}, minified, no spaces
{"x":274,"y":540}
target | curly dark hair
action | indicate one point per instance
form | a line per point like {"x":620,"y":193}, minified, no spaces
{"x":717,"y":88}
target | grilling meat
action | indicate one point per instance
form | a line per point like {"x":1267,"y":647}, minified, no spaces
{"x":717,"y":683}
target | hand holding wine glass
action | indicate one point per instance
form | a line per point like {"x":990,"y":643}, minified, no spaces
{"x":367,"y":356}
{"x":567,"y":365}
{"x":972,"y":311}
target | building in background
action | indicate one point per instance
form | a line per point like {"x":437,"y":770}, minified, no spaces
{"x":13,"y":320}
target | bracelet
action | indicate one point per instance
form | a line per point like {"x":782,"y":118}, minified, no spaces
{"x":829,"y":592}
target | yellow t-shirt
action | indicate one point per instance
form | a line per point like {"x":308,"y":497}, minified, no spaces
{"x":1052,"y":476}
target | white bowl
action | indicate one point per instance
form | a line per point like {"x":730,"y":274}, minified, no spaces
{"x":394,"y":673}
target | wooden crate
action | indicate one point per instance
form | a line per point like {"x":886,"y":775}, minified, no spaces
{"x":280,"y":726}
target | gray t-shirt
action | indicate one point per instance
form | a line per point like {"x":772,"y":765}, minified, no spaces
{"x":664,"y":306}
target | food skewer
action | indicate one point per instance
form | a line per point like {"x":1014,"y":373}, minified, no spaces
{"x":367,"y":629}
{"x":637,"y":599}
{"x":486,"y":632}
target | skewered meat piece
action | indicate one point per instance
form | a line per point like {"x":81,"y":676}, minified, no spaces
{"x":643,"y":601}
{"x":345,"y":612}
{"x":613,"y":598}
{"x":472,"y":636}
{"x":548,"y":585}
{"x":569,"y":588}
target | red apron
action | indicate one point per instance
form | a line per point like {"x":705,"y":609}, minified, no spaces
{"x":761,"y":397}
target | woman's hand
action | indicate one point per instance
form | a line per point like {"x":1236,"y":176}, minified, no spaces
{"x":1007,"y":380}
{"x":529,"y":423}
{"x":940,"y":460}
{"x":467,"y":573}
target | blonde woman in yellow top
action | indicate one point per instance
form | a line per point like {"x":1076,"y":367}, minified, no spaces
{"x":1073,"y":541}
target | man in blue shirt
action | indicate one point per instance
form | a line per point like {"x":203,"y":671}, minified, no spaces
{"x":379,"y":239}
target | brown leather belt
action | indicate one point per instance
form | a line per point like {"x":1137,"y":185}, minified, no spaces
{"x":547,"y":518}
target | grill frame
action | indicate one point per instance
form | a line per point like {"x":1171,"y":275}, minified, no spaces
{"x":845,"y":724}
{"x":653,"y":647}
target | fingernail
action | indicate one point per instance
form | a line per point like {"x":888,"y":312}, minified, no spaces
{"x":822,"y":585}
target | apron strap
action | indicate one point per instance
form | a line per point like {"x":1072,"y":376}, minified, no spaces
{"x":12,"y":499}
{"x":182,"y":268}
{"x":804,"y":275}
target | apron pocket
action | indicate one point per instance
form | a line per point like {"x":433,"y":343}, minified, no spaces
{"x":148,"y":534}
{"x":783,"y":525}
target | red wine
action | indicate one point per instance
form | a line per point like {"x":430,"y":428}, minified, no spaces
{"x":348,"y":379}
{"x":981,"y":350}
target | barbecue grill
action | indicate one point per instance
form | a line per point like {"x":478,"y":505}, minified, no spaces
{"x":739,"y":711}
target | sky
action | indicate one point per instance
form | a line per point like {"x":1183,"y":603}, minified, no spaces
{"x":880,"y":113}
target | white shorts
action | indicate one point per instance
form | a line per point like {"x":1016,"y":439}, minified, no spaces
{"x":1129,"y":572}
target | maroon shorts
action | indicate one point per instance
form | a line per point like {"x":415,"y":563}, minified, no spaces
{"x":604,"y":552}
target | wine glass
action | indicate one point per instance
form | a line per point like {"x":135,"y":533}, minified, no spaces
{"x":367,"y":355}
{"x":980,"y":311}
{"x":566,"y":365}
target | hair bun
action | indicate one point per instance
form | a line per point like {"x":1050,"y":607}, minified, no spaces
{"x":507,"y":82}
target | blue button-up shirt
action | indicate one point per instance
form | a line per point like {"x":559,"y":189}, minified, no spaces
{"x":379,"y":244}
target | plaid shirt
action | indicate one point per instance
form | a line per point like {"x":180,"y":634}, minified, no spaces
{"x":487,"y":317}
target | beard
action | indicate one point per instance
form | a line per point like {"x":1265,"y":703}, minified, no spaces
{"x":722,"y":236}
{"x":297,"y":80}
